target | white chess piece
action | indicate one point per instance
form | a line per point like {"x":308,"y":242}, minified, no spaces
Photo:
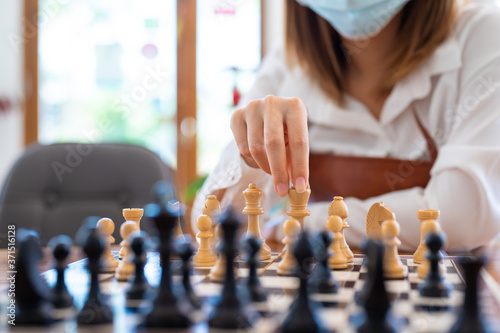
{"x":338,"y":207}
{"x":106,"y":227}
{"x":292,"y":229}
{"x":126,"y":268}
{"x":337,"y":260}
{"x":218,"y":272}
{"x":393,"y":267}
{"x":430,"y":215}
{"x":253,"y":209}
{"x":204,"y":257}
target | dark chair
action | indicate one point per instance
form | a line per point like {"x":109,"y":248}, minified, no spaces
{"x":53,"y":188}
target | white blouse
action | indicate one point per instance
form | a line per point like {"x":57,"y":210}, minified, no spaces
{"x":457,"y":97}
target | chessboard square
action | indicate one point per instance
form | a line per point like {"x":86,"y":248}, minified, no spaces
{"x":340,"y":275}
{"x":424,"y":321}
{"x":207,"y":289}
{"x":447,"y":262}
{"x":284,"y":282}
{"x":334,"y":319}
{"x":397,"y":286}
{"x":454,"y":278}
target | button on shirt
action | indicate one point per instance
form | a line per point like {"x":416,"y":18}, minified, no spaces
{"x":456,"y":94}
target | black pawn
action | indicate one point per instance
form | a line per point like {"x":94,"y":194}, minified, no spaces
{"x":435,"y":285}
{"x":32,"y":306}
{"x":95,"y":311}
{"x":140,"y":286}
{"x":469,"y":318}
{"x":186,"y":251}
{"x":167,"y":311}
{"x":229,"y":312}
{"x":61,"y":246}
{"x":321,"y":280}
{"x":255,"y":289}
{"x":302,"y":317}
{"x":374,"y":298}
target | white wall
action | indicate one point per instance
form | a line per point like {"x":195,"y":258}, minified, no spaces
{"x":11,"y":123}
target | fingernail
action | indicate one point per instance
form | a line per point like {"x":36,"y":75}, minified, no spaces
{"x":300,"y":184}
{"x":282,"y":190}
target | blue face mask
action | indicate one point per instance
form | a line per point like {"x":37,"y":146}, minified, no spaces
{"x":356,"y":19}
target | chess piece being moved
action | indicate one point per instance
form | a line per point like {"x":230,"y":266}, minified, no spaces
{"x":435,"y":285}
{"x":32,"y":305}
{"x":393,"y":267}
{"x":288,"y":263}
{"x":469,"y":318}
{"x":377,"y":214}
{"x":298,"y":205}
{"x":204,"y":257}
{"x":338,"y":260}
{"x":430,"y":217}
{"x":229,"y":312}
{"x":135,"y":214}
{"x":321,"y":280}
{"x":106,"y":227}
{"x":212,"y":208}
{"x":338,"y":207}
{"x":125,"y":269}
{"x":139,"y":288}
{"x":255,"y":289}
{"x":166,"y":311}
{"x":302,"y":316}
{"x":60,"y":297}
{"x":253,"y":209}
{"x":95,"y":311}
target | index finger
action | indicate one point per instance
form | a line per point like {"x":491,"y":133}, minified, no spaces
{"x":298,"y":143}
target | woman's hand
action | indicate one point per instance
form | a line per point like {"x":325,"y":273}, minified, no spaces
{"x":271,"y":134}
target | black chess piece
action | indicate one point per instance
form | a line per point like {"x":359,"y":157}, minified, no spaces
{"x":321,"y":280}
{"x":95,"y":310}
{"x":374,"y":298}
{"x":229,"y":312}
{"x":469,"y":318}
{"x":167,"y":311}
{"x":302,"y":316}
{"x":32,"y":305}
{"x":61,"y":246}
{"x":256,"y":291}
{"x":139,"y":288}
{"x":435,"y":285}
{"x":186,"y":251}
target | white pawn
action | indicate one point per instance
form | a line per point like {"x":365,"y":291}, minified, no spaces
{"x":393,"y":267}
{"x":106,"y":228}
{"x":337,"y":260}
{"x":292,"y":229}
{"x":126,"y":268}
{"x":218,"y":272}
{"x":205,"y":256}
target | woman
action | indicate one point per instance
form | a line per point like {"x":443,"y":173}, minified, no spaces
{"x":377,"y":81}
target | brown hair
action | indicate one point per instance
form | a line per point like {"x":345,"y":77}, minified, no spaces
{"x":315,"y":45}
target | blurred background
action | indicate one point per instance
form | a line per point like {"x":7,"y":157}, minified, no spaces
{"x":164,"y":74}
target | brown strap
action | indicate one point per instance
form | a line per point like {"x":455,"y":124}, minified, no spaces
{"x":431,"y":144}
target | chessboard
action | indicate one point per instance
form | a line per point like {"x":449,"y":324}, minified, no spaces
{"x":409,"y":311}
